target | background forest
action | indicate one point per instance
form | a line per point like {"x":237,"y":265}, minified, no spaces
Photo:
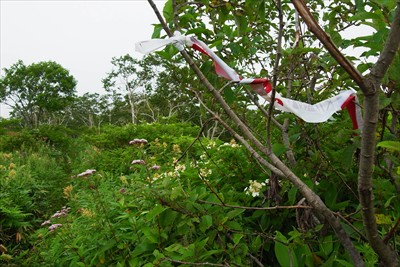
{"x":175,"y":166}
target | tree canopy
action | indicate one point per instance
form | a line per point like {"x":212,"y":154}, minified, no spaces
{"x":36,"y":90}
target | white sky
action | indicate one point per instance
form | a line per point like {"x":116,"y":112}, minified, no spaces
{"x":82,"y":36}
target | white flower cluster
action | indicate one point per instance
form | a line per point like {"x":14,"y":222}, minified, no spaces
{"x":205,"y":172}
{"x":232,"y":144}
{"x":211,"y":145}
{"x":254,"y":188}
{"x":173,"y":174}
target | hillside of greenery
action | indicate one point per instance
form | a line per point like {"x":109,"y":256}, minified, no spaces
{"x":160,"y":195}
{"x":182,"y":163}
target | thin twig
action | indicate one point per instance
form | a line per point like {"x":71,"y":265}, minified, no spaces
{"x":193,"y":263}
{"x":392,"y":231}
{"x":255,"y":208}
{"x":191,"y":144}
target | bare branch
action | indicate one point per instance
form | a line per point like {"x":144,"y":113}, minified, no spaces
{"x":255,"y":208}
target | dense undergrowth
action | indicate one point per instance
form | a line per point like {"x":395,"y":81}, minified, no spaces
{"x":145,"y":195}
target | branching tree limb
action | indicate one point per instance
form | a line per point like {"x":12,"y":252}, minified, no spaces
{"x":312,"y":198}
{"x":370,"y":86}
{"x":314,"y":27}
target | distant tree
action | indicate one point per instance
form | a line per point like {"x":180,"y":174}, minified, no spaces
{"x":128,"y":77}
{"x":36,"y":91}
{"x":90,"y":110}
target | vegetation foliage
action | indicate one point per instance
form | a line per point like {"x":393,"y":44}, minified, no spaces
{"x":175,"y":172}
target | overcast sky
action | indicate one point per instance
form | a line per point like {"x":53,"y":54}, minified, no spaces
{"x":82,"y":36}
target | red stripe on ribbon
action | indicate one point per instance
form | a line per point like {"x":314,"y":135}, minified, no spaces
{"x":350,"y":105}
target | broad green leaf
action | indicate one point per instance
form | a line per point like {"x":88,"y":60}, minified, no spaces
{"x":229,"y":95}
{"x":292,"y":195}
{"x":168,"y":11}
{"x":278,"y":149}
{"x":326,"y":246}
{"x":383,"y":219}
{"x":156,"y":31}
{"x":150,"y":234}
{"x":234,"y":213}
{"x":236,"y":238}
{"x":241,"y":23}
{"x":390,"y":145}
{"x":283,"y":252}
{"x":155,"y":211}
{"x":359,"y":5}
{"x":205,"y":223}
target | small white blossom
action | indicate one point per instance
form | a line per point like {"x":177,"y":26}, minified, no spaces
{"x":205,"y":172}
{"x":180,"y":168}
{"x":254,"y":188}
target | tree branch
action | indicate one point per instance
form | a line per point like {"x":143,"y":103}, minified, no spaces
{"x":254,"y":208}
{"x":390,"y":48}
{"x":310,"y":195}
{"x":368,"y":144}
{"x":314,"y":27}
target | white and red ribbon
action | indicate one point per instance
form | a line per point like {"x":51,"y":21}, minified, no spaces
{"x":319,"y":112}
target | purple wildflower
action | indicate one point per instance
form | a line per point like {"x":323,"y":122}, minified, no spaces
{"x":46,"y":222}
{"x":86,"y":173}
{"x":155,"y":167}
{"x":122,"y":190}
{"x":138,"y":161}
{"x":62,"y":213}
{"x":137,"y":141}
{"x":54,"y":226}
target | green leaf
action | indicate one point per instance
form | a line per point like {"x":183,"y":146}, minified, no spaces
{"x":229,"y":95}
{"x":278,"y":149}
{"x":344,"y":263}
{"x":359,"y":5}
{"x":241,"y":23}
{"x":156,"y":31}
{"x":158,"y":209}
{"x":390,"y":145}
{"x":234,"y":213}
{"x":326,"y":246}
{"x":150,"y":234}
{"x":292,"y":195}
{"x":205,"y":223}
{"x":236,"y":238}
{"x":364,"y":16}
{"x":261,"y":10}
{"x":168,"y":11}
{"x":347,"y":156}
{"x":283,"y":253}
{"x":383,"y":219}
